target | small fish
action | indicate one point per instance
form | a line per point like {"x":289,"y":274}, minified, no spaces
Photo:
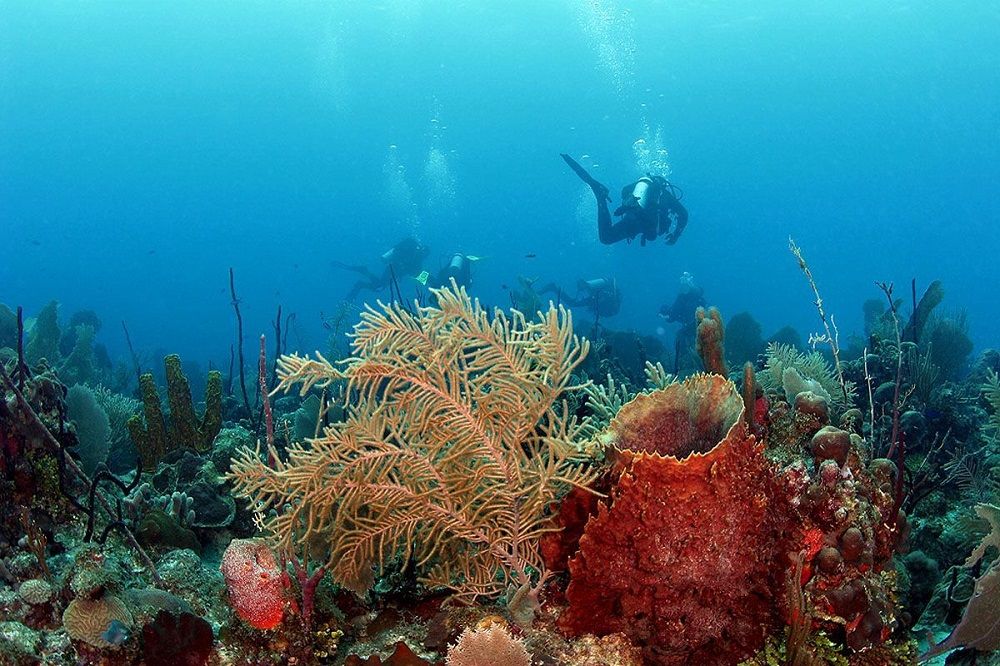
{"x":36,"y":242}
{"x":151,"y":252}
{"x":530,"y":255}
{"x":116,"y":633}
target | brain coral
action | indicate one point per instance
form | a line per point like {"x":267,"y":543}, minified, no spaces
{"x":87,"y":619}
{"x":682,"y":561}
{"x":35,"y":591}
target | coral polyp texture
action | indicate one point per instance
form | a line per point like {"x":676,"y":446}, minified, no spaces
{"x":682,"y":561}
{"x":450,"y":454}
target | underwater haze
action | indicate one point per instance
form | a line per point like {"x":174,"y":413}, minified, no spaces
{"x":147,"y":147}
{"x":562,"y":332}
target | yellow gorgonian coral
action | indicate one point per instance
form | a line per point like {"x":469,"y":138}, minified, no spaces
{"x":454,"y":445}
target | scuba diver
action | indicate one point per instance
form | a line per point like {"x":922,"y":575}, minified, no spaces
{"x":525,"y":298}
{"x":650,"y":207}
{"x":689,"y":298}
{"x":405,"y":258}
{"x":458,"y":268}
{"x":601,"y":296}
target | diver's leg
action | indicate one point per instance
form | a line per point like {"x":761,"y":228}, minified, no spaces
{"x":610,"y":232}
{"x":600,"y":191}
{"x":355,"y":268}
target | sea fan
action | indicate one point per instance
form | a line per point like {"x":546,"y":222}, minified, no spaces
{"x":452,"y":449}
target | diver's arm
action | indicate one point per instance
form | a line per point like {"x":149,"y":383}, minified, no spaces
{"x":682,"y":219}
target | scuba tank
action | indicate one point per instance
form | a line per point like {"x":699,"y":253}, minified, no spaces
{"x":457,"y":264}
{"x":595,"y":285}
{"x":641,"y":191}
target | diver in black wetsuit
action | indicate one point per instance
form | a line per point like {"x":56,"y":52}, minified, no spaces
{"x":601,"y":296}
{"x":650,"y":207}
{"x":690,"y":297}
{"x":404,"y":259}
{"x":458,"y":268}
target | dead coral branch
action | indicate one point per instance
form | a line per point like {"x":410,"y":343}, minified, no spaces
{"x":831,"y":338}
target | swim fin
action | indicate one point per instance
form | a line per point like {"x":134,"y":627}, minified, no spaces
{"x":586,"y":177}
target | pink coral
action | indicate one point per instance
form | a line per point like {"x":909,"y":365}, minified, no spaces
{"x":255,"y":583}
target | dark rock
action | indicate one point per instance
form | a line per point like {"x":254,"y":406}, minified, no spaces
{"x":210,"y":508}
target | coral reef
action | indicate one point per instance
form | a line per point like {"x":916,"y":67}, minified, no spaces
{"x":475,"y":496}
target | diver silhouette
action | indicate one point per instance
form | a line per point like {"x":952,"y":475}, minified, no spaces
{"x":458,"y":268}
{"x":601,"y":296}
{"x":650,"y":207}
{"x":405,"y":258}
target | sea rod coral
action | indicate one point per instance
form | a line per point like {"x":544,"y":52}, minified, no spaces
{"x":453,"y":447}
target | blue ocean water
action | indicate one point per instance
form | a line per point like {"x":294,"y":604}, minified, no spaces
{"x":147,"y":147}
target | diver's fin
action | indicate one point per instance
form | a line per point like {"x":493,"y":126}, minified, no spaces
{"x":585,"y":177}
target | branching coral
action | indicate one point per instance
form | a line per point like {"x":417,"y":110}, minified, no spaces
{"x":452,"y":448}
{"x":604,"y":400}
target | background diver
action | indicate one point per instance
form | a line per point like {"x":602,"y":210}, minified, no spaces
{"x":650,"y":207}
{"x":601,"y":296}
{"x":404,"y":259}
{"x":690,"y":297}
{"x":458,"y":268}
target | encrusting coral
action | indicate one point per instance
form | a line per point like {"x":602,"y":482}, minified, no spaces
{"x":453,"y":447}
